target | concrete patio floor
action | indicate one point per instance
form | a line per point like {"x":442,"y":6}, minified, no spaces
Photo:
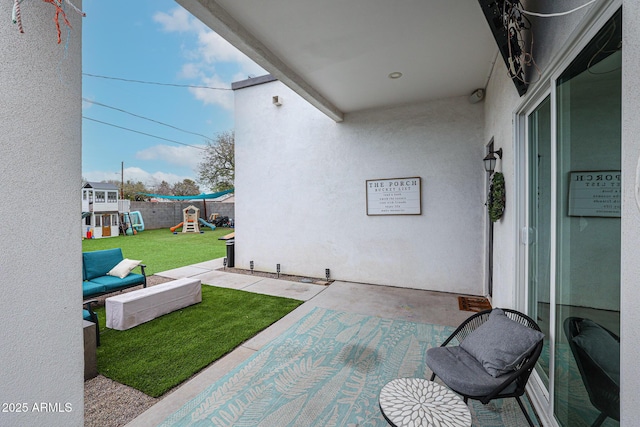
{"x":383,"y":301}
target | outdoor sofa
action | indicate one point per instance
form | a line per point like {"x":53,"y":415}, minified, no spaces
{"x":108,"y":271}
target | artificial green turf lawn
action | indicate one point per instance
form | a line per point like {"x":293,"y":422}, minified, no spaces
{"x":161,"y":250}
{"x":158,"y":355}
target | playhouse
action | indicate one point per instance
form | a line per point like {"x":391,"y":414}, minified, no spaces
{"x":189,"y":224}
{"x":99,"y":210}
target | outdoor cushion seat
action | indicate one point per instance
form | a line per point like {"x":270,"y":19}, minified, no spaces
{"x":496,"y":353}
{"x":92,"y":288}
{"x":107,"y":271}
{"x":112,"y":282}
{"x":98,"y":263}
{"x":461,"y":371}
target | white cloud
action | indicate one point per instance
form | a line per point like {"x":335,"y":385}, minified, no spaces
{"x":190,"y":71}
{"x":211,"y":50}
{"x":179,"y":156}
{"x":224,"y":98}
{"x":98,"y":176}
{"x":214,"y":48}
{"x":136,"y":174}
{"x":178,"y":20}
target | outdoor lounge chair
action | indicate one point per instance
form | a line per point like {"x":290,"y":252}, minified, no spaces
{"x":91,"y":316}
{"x":597,"y":354}
{"x":495,"y":354}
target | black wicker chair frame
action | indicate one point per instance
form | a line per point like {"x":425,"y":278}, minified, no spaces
{"x":93,"y":317}
{"x":604,"y":393}
{"x":520,"y":376}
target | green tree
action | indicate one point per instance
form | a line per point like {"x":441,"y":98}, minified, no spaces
{"x":132,"y":190}
{"x":164,"y":188}
{"x":187,"y":187}
{"x":217,"y":170}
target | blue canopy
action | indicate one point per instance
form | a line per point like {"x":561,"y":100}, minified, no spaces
{"x":197,"y":196}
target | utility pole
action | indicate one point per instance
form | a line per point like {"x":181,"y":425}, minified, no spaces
{"x":122,"y":180}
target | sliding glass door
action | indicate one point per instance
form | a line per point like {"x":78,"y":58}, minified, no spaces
{"x":573,"y":255}
{"x":540,"y":227}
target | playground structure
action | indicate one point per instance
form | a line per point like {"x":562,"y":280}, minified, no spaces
{"x":134,"y":222}
{"x":206,"y":224}
{"x":191,"y":219}
{"x":175,"y":227}
{"x":200,"y":220}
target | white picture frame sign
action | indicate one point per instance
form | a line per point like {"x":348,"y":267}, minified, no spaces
{"x":394,"y":196}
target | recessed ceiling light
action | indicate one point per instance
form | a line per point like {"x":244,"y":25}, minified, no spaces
{"x":395,"y":75}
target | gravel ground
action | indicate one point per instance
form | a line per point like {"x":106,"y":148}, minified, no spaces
{"x":108,"y":403}
{"x":270,"y":275}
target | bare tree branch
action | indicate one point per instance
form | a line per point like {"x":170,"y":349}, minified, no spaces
{"x":217,"y":170}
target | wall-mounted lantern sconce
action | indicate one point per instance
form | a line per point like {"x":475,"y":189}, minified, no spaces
{"x":490,"y":160}
{"x":276,"y":100}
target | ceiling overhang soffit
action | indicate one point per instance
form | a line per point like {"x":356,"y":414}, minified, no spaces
{"x":219,"y":20}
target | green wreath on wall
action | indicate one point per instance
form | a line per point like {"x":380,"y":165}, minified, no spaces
{"x":497,"y":197}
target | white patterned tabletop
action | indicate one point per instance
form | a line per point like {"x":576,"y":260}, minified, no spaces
{"x":416,"y":402}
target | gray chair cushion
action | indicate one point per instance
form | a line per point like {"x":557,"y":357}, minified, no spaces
{"x":462,"y":372}
{"x":500,"y":344}
{"x":601,"y":347}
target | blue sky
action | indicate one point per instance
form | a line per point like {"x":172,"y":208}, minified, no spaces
{"x":155,"y":41}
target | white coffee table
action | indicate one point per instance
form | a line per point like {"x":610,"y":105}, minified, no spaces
{"x":418,"y":402}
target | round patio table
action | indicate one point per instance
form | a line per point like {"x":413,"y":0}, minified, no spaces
{"x":416,"y":402}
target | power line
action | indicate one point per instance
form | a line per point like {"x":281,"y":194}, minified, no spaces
{"x":145,"y":118}
{"x":154,"y":83}
{"x":143,"y":133}
{"x":551,"y":15}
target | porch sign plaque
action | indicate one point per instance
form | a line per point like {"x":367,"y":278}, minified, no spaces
{"x":595,"y":193}
{"x":397,"y":196}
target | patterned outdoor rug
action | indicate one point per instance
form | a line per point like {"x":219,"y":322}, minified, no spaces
{"x":327,"y":370}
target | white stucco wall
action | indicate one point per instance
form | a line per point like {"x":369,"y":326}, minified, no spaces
{"x":501,"y":99}
{"x":630,"y":333}
{"x":41,"y":348}
{"x":301,"y":201}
